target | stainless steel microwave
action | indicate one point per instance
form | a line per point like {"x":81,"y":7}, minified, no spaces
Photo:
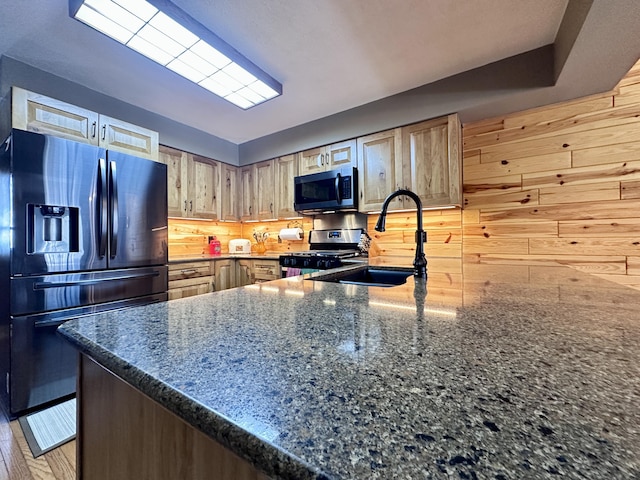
{"x":327,"y":191}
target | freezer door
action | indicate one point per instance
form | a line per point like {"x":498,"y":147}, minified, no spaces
{"x":137,"y":211}
{"x":62,"y":291}
{"x":43,"y":364}
{"x":55,"y":207}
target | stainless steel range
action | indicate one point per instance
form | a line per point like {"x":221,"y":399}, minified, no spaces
{"x":328,"y":249}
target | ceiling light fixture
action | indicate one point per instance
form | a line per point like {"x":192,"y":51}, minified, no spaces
{"x":161,"y":31}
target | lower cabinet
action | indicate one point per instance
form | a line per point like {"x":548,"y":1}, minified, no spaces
{"x":195,"y":278}
{"x":188,"y":279}
{"x":225,"y":271}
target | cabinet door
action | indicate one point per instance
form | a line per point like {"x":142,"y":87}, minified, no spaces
{"x":341,"y":154}
{"x":431,"y":160}
{"x":286,"y":170}
{"x":266,"y":270}
{"x":204,"y":187}
{"x":264,"y":193}
{"x":229,"y":189}
{"x":244,"y":273}
{"x":38,"y":113}
{"x":312,"y":161}
{"x":246,"y":193}
{"x":176,"y":162}
{"x":128,"y":138}
{"x":225,"y":273}
{"x":379,"y":169}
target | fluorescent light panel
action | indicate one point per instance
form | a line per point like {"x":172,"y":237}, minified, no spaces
{"x":141,"y":26}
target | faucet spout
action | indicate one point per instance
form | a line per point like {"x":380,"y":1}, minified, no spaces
{"x":420,"y":261}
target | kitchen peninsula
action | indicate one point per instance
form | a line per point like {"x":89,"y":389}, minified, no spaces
{"x":503,"y":372}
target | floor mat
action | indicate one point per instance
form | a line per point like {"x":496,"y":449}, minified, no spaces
{"x":50,"y":428}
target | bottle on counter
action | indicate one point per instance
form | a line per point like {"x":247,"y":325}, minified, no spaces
{"x":215,"y":247}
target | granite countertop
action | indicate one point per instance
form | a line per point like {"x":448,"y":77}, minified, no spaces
{"x":491,"y":372}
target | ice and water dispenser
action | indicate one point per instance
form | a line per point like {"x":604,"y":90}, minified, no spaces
{"x":52,"y":229}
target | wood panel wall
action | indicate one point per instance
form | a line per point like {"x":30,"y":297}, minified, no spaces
{"x":190,"y":237}
{"x":559,"y":183}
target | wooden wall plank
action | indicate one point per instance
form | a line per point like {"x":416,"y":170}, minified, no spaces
{"x":511,"y":230}
{"x":630,"y":190}
{"x":471,"y":157}
{"x":580,"y":193}
{"x":633,"y":265}
{"x":610,"y":227}
{"x":503,"y":246}
{"x":577,"y":211}
{"x":511,"y":183}
{"x":502,"y":200}
{"x":584,"y":246}
{"x":531,"y":164}
{"x":616,"y":153}
{"x":583,"y":175}
{"x":586,"y":263}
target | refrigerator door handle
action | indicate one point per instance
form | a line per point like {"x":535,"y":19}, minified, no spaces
{"x":103,"y":199}
{"x":93,"y":281}
{"x":114,"y":209}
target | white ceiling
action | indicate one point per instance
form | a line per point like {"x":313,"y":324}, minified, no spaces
{"x":330,"y":55}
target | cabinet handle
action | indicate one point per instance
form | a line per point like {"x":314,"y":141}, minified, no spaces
{"x":249,"y":209}
{"x":191,"y":205}
{"x":93,"y":129}
{"x":322,"y":159}
{"x":189,"y":271}
{"x":271,"y":207}
{"x":228,"y":182}
{"x":104,"y":131}
{"x":185,"y":205}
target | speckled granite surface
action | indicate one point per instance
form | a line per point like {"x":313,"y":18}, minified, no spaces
{"x":500,"y":373}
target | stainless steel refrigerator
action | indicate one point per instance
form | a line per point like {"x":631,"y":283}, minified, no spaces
{"x":82,"y":230}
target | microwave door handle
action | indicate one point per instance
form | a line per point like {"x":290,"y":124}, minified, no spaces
{"x":337,"y":185}
{"x":114,"y":209}
{"x":102,"y":207}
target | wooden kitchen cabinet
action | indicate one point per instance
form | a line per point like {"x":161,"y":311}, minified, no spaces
{"x":244,"y":272}
{"x":38,"y":113}
{"x":431,"y":159}
{"x":193,"y":184}
{"x":379,"y":169}
{"x":191,"y":278}
{"x":229,"y":193}
{"x":286,"y":168}
{"x":329,"y":157}
{"x":247,"y":211}
{"x":258,"y":195}
{"x":176,"y":162}
{"x":225,"y":273}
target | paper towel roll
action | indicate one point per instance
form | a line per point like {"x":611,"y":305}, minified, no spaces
{"x":291,"y":234}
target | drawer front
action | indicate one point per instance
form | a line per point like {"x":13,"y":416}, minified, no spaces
{"x":181,"y":271}
{"x":266,"y":270}
{"x":190,"y":286}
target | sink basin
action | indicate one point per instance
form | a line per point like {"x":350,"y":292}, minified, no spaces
{"x":370,"y":276}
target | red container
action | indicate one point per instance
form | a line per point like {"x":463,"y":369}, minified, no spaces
{"x":215,"y":247}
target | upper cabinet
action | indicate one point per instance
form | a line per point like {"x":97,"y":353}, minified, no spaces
{"x":286,"y":169}
{"x":230,"y":194}
{"x":424,"y":158}
{"x":431,"y":159}
{"x":379,"y":169}
{"x":38,"y":113}
{"x":258,"y":196}
{"x":327,"y":158}
{"x":193,"y":184}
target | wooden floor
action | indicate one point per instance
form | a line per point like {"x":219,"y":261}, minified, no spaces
{"x":18,"y":462}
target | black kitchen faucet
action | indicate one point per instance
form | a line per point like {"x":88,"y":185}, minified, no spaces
{"x":420,"y":262}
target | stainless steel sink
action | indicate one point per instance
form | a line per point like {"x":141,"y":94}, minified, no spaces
{"x":369,"y":276}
